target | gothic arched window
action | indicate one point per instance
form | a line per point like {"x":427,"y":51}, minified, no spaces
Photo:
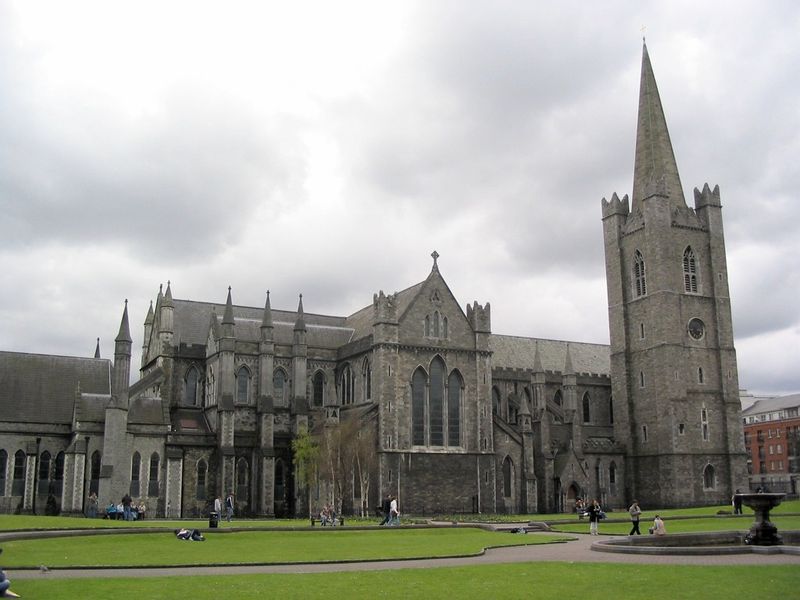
{"x":495,"y":401}
{"x":418,"y":384}
{"x":689,"y":271}
{"x":242,"y":479}
{"x":3,"y":470}
{"x":587,"y":413}
{"x":346,"y":385}
{"x":366,"y":373}
{"x":18,"y":483}
{"x":709,"y":478}
{"x":279,"y":387}
{"x":436,"y":402}
{"x":58,"y":474}
{"x":242,"y":385}
{"x":202,"y":471}
{"x":318,"y":383}
{"x":612,"y":477}
{"x":136,"y":466}
{"x":454,"y":385}
{"x":557,"y":398}
{"x":152,"y":483}
{"x":508,"y":477}
{"x":94,"y":473}
{"x":44,"y":472}
{"x":639,"y":276}
{"x":190,"y":389}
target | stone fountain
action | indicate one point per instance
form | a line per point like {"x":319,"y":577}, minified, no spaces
{"x":762,"y":532}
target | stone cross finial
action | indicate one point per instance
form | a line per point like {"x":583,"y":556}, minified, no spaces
{"x":435,"y":256}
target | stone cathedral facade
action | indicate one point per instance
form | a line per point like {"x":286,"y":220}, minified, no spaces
{"x":457,"y":418}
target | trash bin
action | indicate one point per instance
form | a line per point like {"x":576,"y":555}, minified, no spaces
{"x":213,"y":520}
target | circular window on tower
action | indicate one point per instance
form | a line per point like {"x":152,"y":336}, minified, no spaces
{"x":697,"y":329}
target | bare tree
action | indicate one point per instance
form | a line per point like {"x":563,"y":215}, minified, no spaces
{"x":365,"y":460}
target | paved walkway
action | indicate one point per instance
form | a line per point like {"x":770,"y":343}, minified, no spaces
{"x":578,"y":550}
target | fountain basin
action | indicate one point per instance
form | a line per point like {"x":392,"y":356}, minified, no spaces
{"x":762,"y":532}
{"x":714,"y":543}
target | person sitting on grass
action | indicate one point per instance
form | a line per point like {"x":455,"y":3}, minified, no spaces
{"x":5,"y":585}
{"x":190,"y":534}
{"x":658,"y":526}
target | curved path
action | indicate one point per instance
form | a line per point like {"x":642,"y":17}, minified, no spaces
{"x":578,"y":550}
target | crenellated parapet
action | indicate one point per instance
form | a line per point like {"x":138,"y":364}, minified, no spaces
{"x":480,"y":317}
{"x":707,"y":197}
{"x":615,"y":206}
{"x":385,"y":307}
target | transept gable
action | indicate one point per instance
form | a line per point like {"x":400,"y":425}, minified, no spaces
{"x":434,"y":317}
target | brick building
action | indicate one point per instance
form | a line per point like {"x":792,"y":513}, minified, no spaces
{"x":772,"y":441}
{"x":458,"y":419}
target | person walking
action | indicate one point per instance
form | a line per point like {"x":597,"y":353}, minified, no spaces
{"x":635,"y":513}
{"x":594,"y":511}
{"x":126,"y":507}
{"x":229,"y":507}
{"x":218,"y":506}
{"x":91,"y":506}
{"x":394,"y":513}
{"x":737,"y":502}
{"x":386,"y":507}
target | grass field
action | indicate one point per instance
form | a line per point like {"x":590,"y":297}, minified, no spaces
{"x":252,"y":547}
{"x":565,"y":581}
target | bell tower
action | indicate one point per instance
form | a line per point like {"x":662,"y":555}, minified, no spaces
{"x":673,"y":364}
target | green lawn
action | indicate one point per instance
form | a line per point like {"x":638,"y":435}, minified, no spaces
{"x":565,"y":581}
{"x":20,"y":522}
{"x":163,"y":549}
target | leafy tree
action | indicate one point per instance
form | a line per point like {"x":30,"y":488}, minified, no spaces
{"x":306,"y":460}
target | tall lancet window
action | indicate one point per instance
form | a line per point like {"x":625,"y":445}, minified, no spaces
{"x":689,"y":271}
{"x":639,"y":278}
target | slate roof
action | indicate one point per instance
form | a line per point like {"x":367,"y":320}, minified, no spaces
{"x":772,"y":405}
{"x":361,"y":320}
{"x":41,"y":388}
{"x":146,"y":411}
{"x":514,"y":352}
{"x":92,"y":407}
{"x":191,"y":322}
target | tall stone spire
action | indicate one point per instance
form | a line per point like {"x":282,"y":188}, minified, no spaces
{"x":300,"y":323}
{"x":266,"y":320}
{"x":124,"y":334}
{"x":97,"y":349}
{"x":655,"y":171}
{"x":227,"y":317}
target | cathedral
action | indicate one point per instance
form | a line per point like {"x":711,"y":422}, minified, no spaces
{"x":449,"y":417}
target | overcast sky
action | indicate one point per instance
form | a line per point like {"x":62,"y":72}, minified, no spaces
{"x":328,"y":148}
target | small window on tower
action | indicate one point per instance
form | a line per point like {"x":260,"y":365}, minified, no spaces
{"x":639,"y":278}
{"x":689,"y":271}
{"x":700,"y":377}
{"x":644,"y":433}
{"x":681,"y":428}
{"x":641,"y":331}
